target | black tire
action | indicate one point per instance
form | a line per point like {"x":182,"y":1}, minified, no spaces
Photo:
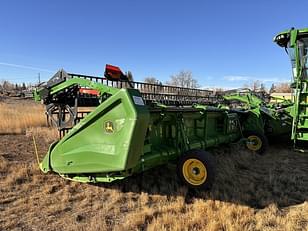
{"x":261,"y":142}
{"x":202,"y":166}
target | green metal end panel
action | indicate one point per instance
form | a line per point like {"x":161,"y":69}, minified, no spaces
{"x":109,"y":139}
{"x":45,"y":164}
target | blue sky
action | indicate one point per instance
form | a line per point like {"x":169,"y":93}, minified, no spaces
{"x":224,"y":43}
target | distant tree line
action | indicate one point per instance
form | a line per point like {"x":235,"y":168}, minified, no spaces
{"x":256,"y":85}
{"x":6,"y":85}
{"x":185,"y":79}
{"x":280,"y":88}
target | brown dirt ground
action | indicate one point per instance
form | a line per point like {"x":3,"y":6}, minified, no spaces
{"x":251,"y":192}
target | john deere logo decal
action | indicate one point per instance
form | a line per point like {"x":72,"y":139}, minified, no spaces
{"x":109,"y":128}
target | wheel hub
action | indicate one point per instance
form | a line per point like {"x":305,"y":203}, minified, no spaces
{"x":194,"y":172}
{"x":254,"y":143}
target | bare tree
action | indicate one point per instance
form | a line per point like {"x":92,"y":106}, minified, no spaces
{"x":283,"y":88}
{"x":6,"y":85}
{"x":151,"y":80}
{"x":254,"y":86}
{"x":183,"y":79}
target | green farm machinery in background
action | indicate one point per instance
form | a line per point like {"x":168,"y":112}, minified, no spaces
{"x":260,"y":119}
{"x":295,"y":43}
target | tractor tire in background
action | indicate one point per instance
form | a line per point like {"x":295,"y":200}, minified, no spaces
{"x":256,"y":142}
{"x":196,"y":169}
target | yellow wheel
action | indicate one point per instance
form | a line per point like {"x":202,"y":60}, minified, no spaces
{"x":254,"y":143}
{"x":196,"y":169}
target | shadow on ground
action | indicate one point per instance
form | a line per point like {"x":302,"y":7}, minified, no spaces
{"x":278,"y":177}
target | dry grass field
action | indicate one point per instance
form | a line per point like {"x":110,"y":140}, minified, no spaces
{"x":17,"y":116}
{"x":251,"y":192}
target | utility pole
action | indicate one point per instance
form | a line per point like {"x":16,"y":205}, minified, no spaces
{"x":39,"y":77}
